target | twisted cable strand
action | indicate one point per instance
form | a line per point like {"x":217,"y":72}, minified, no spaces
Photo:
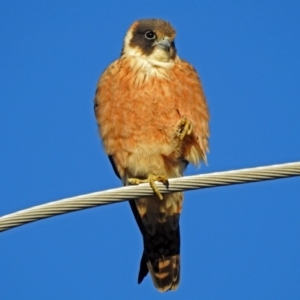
{"x":133,"y":192}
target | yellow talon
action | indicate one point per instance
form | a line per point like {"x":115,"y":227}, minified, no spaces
{"x":151,"y":180}
{"x":184,"y":127}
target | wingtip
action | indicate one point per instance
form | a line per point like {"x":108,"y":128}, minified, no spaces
{"x":143,"y":269}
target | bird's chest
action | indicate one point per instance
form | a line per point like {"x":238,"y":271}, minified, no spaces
{"x":141,"y":110}
{"x":148,"y":106}
{"x":149,"y":112}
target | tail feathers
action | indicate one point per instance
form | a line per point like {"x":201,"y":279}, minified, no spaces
{"x":165,"y":273}
{"x":161,"y":237}
{"x":161,"y":257}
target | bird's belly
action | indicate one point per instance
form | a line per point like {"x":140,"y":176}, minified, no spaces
{"x":157,"y":157}
{"x":148,"y":137}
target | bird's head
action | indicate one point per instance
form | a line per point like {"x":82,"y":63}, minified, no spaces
{"x":151,"y":39}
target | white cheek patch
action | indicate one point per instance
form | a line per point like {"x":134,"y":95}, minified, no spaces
{"x":135,"y":52}
{"x":144,"y":68}
{"x":128,"y":38}
{"x":155,"y":64}
{"x":159,"y":55}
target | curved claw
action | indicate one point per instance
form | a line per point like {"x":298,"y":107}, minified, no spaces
{"x":184,"y":127}
{"x":151,"y":180}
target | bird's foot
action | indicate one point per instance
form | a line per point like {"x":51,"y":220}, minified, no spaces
{"x":184,"y":127}
{"x":151,"y":180}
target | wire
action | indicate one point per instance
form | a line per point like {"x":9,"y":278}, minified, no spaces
{"x":133,"y":192}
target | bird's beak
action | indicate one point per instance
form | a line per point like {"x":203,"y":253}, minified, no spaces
{"x":164,"y":44}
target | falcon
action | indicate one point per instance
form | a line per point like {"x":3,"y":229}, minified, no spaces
{"x":153,"y":121}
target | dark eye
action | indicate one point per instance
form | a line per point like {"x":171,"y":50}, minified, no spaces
{"x":150,"y":35}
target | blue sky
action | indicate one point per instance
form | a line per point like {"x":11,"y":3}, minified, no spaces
{"x":238,"y":242}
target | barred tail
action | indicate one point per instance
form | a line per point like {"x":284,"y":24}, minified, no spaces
{"x":161,"y":258}
{"x":166,"y":274}
{"x":158,"y":221}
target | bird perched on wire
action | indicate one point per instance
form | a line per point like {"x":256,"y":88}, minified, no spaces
{"x":153,"y":121}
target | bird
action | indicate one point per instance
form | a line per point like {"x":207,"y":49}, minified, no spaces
{"x":153,"y":120}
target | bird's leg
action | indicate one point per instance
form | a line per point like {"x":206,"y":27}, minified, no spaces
{"x":184,"y":127}
{"x":151,"y":180}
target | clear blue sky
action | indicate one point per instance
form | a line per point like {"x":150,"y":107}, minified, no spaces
{"x":238,"y":242}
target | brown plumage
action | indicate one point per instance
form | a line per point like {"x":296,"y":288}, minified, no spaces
{"x":153,"y":120}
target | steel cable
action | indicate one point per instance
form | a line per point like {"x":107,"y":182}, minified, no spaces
{"x":132,"y":192}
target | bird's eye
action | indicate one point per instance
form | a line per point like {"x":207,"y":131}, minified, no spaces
{"x":150,"y":35}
